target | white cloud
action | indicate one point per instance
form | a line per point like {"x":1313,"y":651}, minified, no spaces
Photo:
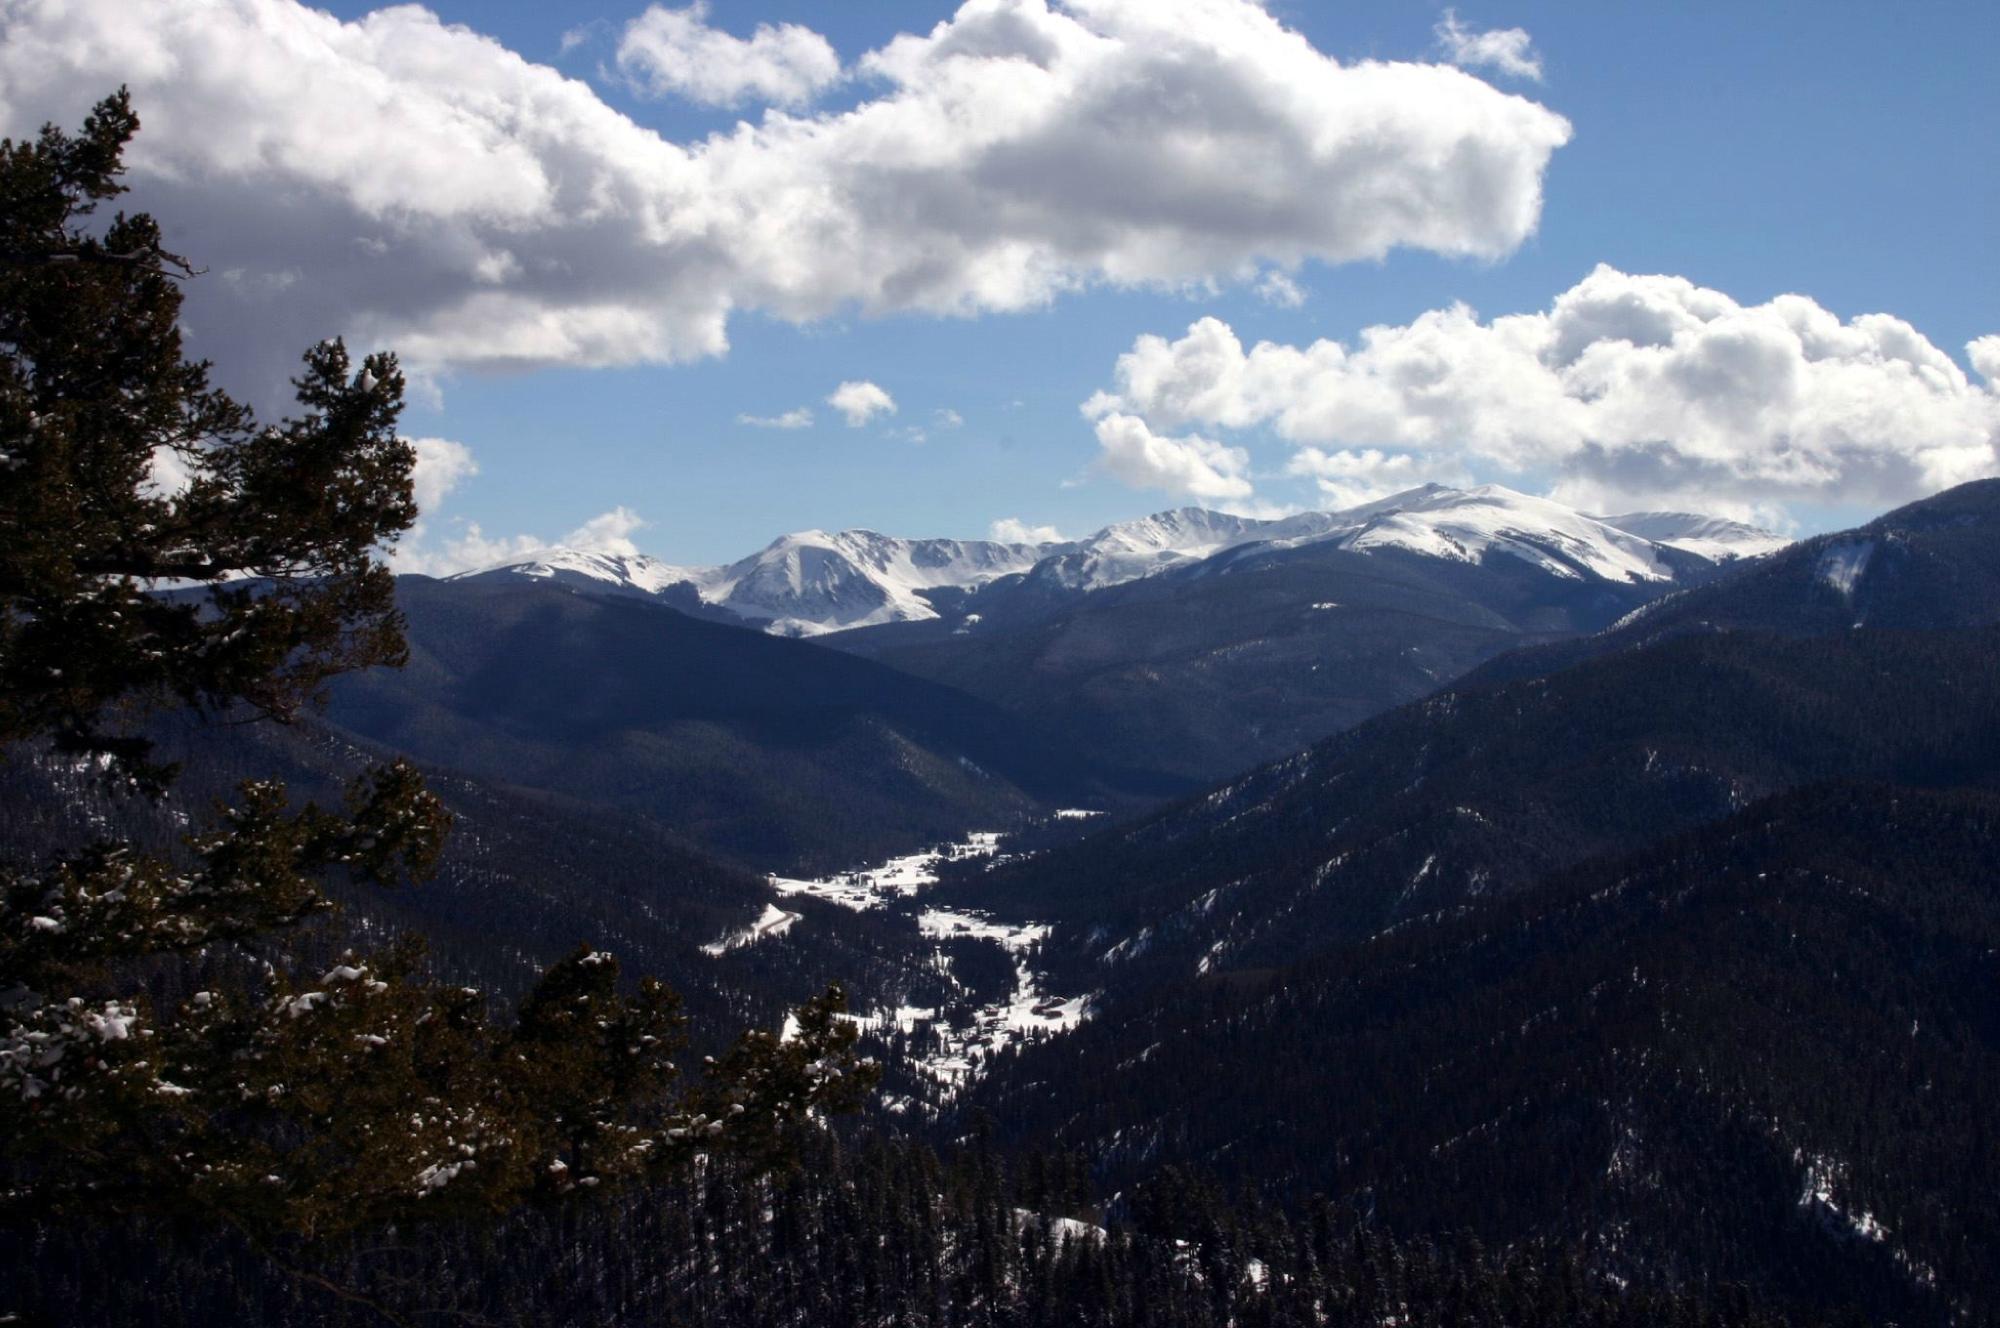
{"x":1188,"y":467}
{"x":861,"y":402}
{"x":1984,"y":355}
{"x":470,"y":548}
{"x":1627,"y":390}
{"x":583,"y":34}
{"x":675,"y":52}
{"x":167,"y":475}
{"x":947,"y":418}
{"x":442,"y":465}
{"x":1347,"y":477}
{"x":1277,"y":287}
{"x":799,"y":418}
{"x":1013,"y":530}
{"x":610,"y":532}
{"x":1509,"y":50}
{"x":415,"y":184}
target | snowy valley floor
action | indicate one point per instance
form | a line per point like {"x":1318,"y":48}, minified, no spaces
{"x":952,"y":1045}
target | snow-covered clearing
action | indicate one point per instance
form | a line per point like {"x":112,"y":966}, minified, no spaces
{"x":952,"y":1045}
{"x":774,"y":922}
{"x":898,"y":878}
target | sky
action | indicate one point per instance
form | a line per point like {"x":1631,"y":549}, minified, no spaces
{"x":681,"y":278}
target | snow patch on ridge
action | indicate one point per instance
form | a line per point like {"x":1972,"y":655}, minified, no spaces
{"x":1841,"y":565}
{"x":775,"y":921}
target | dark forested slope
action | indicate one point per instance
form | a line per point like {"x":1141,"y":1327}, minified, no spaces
{"x":1254,"y":653}
{"x":776,"y":753}
{"x":1756,"y":1053}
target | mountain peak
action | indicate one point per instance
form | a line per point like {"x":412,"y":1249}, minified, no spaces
{"x":814,"y":581}
{"x":1713,"y":537}
{"x":595,"y":570}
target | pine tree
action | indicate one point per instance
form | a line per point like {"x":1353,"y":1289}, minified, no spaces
{"x":161,"y":550}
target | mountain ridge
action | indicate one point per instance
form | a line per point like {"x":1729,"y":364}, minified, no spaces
{"x":817,"y":582}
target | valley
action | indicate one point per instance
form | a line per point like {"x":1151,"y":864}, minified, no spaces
{"x":946,"y":1045}
{"x":1018,"y":664}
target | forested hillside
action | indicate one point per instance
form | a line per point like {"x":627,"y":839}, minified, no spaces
{"x":771,"y":752}
{"x":1754,"y":1053}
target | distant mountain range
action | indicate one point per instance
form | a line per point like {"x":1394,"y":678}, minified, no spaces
{"x":816,"y":582}
{"x":1192,"y":644}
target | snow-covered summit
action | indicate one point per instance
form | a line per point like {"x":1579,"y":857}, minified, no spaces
{"x":1435,"y":520}
{"x":1712,"y":537}
{"x":632,"y":574}
{"x":1469,"y":525}
{"x":1130,"y":550}
{"x":818,"y":581}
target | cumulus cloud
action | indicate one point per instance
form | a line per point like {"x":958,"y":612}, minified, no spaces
{"x":1509,"y":50}
{"x":610,"y":532}
{"x":442,"y":547}
{"x":1013,"y":530}
{"x":1186,"y":467}
{"x":1627,"y":390}
{"x":674,"y":52}
{"x":1277,"y":287}
{"x":467,"y":547}
{"x":861,"y":402}
{"x":1348,"y":477}
{"x":415,"y":184}
{"x":799,"y":418}
{"x":167,"y":475}
{"x":1985,"y":357}
{"x":442,"y":465}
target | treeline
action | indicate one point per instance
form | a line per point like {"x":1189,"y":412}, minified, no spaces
{"x":868,"y":1234}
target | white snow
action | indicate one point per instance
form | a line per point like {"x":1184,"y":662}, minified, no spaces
{"x":898,"y":878}
{"x":1842,"y":564}
{"x":774,"y":921}
{"x":1822,"y":1175}
{"x":1469,"y":525}
{"x":1713,"y":537}
{"x":634,"y":574}
{"x":1061,"y":1228}
{"x":955,"y":1053}
{"x":816,"y":581}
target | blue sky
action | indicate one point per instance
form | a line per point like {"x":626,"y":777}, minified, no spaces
{"x":1844,"y":152}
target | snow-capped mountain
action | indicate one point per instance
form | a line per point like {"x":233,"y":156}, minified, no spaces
{"x":1713,"y":537}
{"x":800,"y":584}
{"x":1463,"y":525}
{"x":600,"y":573}
{"x":1158,"y":543}
{"x":813,"y":582}
{"x":816,"y":581}
{"x":1471,"y":525}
